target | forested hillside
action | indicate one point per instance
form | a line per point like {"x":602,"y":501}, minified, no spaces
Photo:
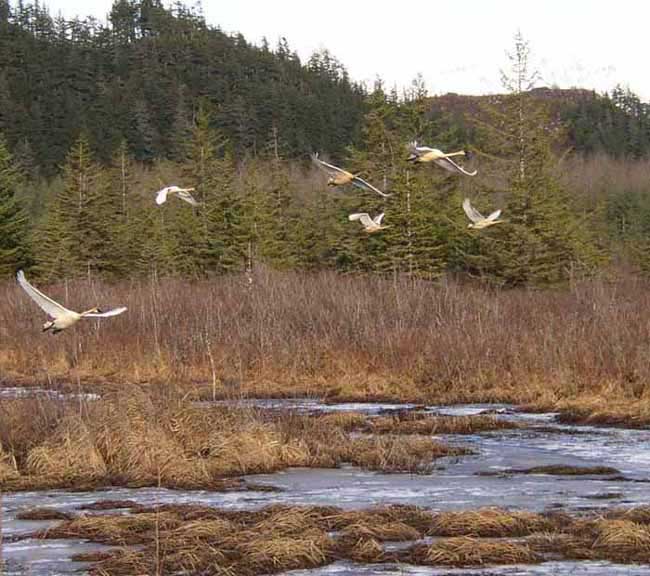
{"x":95,"y":117}
{"x":139,"y":79}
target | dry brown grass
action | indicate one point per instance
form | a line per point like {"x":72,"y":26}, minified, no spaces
{"x":136,"y":439}
{"x":415,"y":423}
{"x":200,"y":539}
{"x":488,"y":523}
{"x":565,"y":470}
{"x":43,"y":514}
{"x":320,"y":335}
{"x":464,"y":551}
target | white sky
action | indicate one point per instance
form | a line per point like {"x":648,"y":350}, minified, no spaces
{"x":458,"y":46}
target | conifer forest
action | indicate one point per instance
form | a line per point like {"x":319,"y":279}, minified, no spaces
{"x":95,"y":117}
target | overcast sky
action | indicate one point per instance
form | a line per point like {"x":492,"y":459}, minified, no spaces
{"x":458,"y":46}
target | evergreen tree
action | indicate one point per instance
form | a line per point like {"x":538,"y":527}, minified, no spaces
{"x":544,"y":241}
{"x":78,"y":231}
{"x":13,"y":220}
{"x":223,"y":238}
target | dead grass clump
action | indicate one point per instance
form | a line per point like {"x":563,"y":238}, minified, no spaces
{"x":69,"y":456}
{"x":596,"y":410}
{"x":109,"y":505}
{"x":388,"y":531}
{"x":264,"y":555}
{"x":361,"y":549}
{"x":43,"y":514}
{"x":120,"y":530}
{"x":8,"y":469}
{"x":562,"y":470}
{"x":638,"y":514}
{"x":96,"y":556}
{"x":347,"y":421}
{"x":488,"y":523}
{"x":622,"y":541}
{"x":399,"y":454}
{"x":465,"y":551}
{"x":563,"y":545}
{"x":253,"y":448}
{"x":195,"y":532}
{"x":139,"y":447}
{"x":417,"y":423}
{"x":291,"y":520}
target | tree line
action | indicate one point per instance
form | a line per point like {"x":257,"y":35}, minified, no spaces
{"x":97,"y":117}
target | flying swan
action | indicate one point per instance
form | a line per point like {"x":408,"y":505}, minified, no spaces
{"x":370,"y":225}
{"x":421,"y":154}
{"x":182,"y":193}
{"x":62,"y":317}
{"x":340,"y":177}
{"x":478,"y":220}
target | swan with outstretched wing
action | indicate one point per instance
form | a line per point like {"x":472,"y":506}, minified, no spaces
{"x":339,"y":177}
{"x":370,"y":225}
{"x":182,"y":193}
{"x":62,"y":318}
{"x":424,"y":154}
{"x":478,"y":220}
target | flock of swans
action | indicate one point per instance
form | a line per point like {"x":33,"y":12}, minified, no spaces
{"x":417,"y":155}
{"x":62,"y":318}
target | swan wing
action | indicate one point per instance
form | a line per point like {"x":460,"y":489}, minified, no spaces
{"x":108,"y":314}
{"x":494,"y":215}
{"x":363,"y":216}
{"x":449,"y":164}
{"x":472,"y":213}
{"x":330,"y":169}
{"x":161,"y":195}
{"x":379,"y":218}
{"x":419,"y":150}
{"x":185,"y":195}
{"x":361,"y":183}
{"x":52,"y":308}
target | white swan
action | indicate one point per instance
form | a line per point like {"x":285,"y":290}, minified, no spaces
{"x":340,"y":177}
{"x":370,"y":225}
{"x":478,"y":220}
{"x":183,"y":193}
{"x":421,"y":154}
{"x":62,"y":317}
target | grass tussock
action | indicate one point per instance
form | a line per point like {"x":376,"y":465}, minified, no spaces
{"x":488,"y":523}
{"x":8,"y":470}
{"x":417,"y":423}
{"x":137,"y":439}
{"x":566,"y":470}
{"x":297,"y":334}
{"x":465,"y":551}
{"x":43,"y":514}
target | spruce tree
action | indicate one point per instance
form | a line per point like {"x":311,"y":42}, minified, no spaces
{"x":13,"y":219}
{"x":76,"y":236}
{"x":544,"y":240}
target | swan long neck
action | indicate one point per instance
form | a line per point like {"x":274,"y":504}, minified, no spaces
{"x":91,"y":311}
